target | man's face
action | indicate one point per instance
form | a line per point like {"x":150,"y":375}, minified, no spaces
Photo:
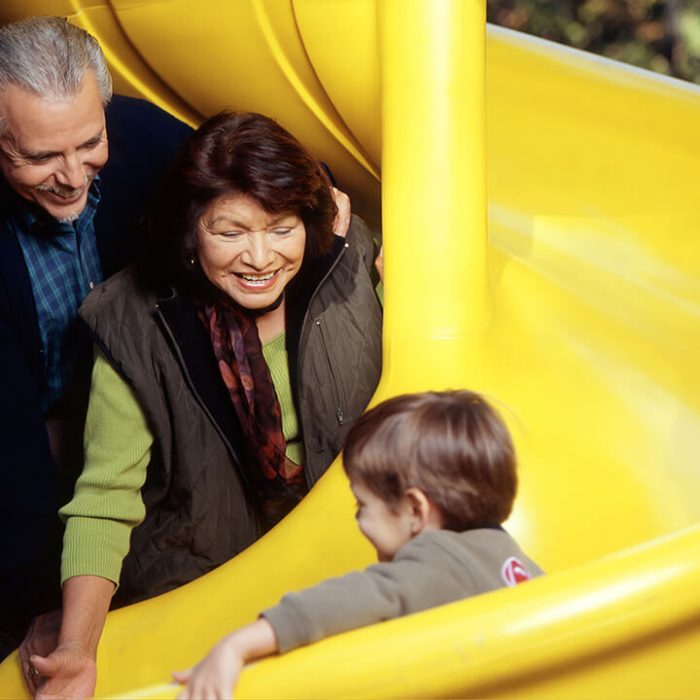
{"x":52,"y":149}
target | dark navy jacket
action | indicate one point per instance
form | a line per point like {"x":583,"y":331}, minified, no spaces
{"x":142,"y":142}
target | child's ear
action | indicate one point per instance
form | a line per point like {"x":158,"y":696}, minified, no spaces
{"x":422,"y":513}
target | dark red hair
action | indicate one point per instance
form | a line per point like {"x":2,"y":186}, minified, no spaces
{"x":237,"y":153}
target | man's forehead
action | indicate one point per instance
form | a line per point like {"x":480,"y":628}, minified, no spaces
{"x":35,"y":123}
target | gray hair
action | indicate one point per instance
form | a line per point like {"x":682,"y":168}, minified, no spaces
{"x":48,"y":56}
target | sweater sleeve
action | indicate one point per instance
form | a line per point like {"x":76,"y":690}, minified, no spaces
{"x":410,"y":583}
{"x":107,"y":502}
{"x":355,"y":600}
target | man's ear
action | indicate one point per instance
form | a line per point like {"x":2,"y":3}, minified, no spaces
{"x":422,"y":512}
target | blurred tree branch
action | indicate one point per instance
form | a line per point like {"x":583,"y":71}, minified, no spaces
{"x":661,"y":35}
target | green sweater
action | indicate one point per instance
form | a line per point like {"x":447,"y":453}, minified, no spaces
{"x":107,"y":503}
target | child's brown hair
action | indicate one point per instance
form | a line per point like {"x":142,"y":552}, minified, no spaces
{"x":451,"y":445}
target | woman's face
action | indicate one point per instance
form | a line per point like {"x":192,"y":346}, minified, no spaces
{"x":247,"y":252}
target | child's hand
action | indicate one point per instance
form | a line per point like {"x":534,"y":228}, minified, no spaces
{"x":213,"y":678}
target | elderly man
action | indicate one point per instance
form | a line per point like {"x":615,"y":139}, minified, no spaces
{"x":68,"y":219}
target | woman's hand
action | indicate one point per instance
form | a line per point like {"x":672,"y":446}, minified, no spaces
{"x":41,"y":639}
{"x":341,"y":223}
{"x":215,"y":677}
{"x":68,"y":673}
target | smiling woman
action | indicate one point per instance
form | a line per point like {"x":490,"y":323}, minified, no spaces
{"x":230,"y":364}
{"x":248,"y":254}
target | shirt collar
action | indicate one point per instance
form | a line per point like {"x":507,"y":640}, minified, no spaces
{"x":32,"y":217}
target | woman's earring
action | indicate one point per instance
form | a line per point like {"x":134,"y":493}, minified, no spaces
{"x":192,"y":261}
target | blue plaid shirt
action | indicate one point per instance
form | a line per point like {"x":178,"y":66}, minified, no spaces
{"x":64,"y":266}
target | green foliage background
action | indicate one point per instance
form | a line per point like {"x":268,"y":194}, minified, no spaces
{"x":662,"y":35}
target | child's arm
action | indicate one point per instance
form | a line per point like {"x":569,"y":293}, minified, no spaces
{"x":215,"y":677}
{"x":413,"y":581}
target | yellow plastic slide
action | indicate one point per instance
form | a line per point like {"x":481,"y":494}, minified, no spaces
{"x":578,"y":315}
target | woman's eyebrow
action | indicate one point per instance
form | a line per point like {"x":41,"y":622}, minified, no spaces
{"x":228,"y":220}
{"x":240,"y":224}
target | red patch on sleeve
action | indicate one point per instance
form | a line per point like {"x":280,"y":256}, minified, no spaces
{"x":513,"y":572}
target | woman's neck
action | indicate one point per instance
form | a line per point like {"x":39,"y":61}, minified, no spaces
{"x":271,"y":324}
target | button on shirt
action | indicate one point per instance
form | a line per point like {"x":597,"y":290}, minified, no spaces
{"x":63,"y":265}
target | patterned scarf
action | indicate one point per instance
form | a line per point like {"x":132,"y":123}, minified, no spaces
{"x":278,"y":481}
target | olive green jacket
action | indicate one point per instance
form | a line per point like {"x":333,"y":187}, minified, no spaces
{"x":200,"y":506}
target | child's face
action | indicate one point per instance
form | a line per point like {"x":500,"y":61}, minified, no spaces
{"x":388,"y":530}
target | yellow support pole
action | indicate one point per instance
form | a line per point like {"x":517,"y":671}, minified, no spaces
{"x":433,"y":189}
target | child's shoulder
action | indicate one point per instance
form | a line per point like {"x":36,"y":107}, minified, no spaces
{"x":465,"y":538}
{"x":491,"y":552}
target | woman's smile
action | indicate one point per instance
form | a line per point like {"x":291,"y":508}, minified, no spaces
{"x":256,"y":281}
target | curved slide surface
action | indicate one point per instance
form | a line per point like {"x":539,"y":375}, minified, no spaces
{"x":587,"y":343}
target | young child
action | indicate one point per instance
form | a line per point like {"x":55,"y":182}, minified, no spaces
{"x":434,"y":477}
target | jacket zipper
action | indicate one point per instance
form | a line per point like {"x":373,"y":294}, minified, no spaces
{"x":339,"y":410}
{"x":299,"y":359}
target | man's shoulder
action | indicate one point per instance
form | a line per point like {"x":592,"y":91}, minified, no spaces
{"x":143,"y":141}
{"x":139,"y":130}
{"x":133,"y":112}
{"x":14,"y":279}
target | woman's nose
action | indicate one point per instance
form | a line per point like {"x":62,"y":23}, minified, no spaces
{"x":259,"y":253}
